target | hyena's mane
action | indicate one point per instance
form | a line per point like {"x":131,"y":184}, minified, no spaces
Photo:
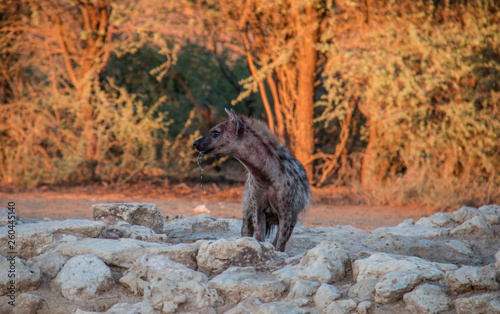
{"x":260,"y":130}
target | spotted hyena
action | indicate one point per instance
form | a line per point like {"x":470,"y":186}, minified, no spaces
{"x":277,"y":188}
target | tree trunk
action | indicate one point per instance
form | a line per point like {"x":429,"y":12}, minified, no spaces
{"x":303,"y":139}
{"x":371,"y":173}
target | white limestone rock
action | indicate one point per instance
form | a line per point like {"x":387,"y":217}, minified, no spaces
{"x":301,"y":289}
{"x":123,"y":229}
{"x":326,"y":295}
{"x":180,"y":228}
{"x":341,"y":307}
{"x":492,"y":209}
{"x":125,"y":308}
{"x":476,"y":226}
{"x":479,"y":303}
{"x":364,"y":307}
{"x":497,"y":261}
{"x":408,"y":229}
{"x":380,"y":264}
{"x":460,"y":247}
{"x":170,"y":296}
{"x":27,"y":303}
{"x":395,"y":284}
{"x":255,"y":306}
{"x":122,"y":252}
{"x":82,"y":278}
{"x":142,"y":214}
{"x":363,"y":290}
{"x":239,"y":283}
{"x":463,"y":214}
{"x":216,"y":256}
{"x":427,"y":299}
{"x":32,"y":238}
{"x":6,"y":217}
{"x":50,"y":263}
{"x":151,"y":268}
{"x":468,"y":278}
{"x":438,"y":220}
{"x":26,"y":278}
{"x":325,"y":263}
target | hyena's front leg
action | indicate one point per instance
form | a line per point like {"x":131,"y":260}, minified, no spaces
{"x":254,"y":221}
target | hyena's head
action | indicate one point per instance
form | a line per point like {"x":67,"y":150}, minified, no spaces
{"x":221,"y":139}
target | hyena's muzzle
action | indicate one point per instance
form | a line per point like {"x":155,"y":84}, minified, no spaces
{"x":203,"y":145}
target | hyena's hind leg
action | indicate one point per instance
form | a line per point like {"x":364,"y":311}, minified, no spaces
{"x":248,"y":208}
{"x":247,"y":227}
{"x":285,"y":228}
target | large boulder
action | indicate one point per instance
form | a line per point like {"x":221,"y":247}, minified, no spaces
{"x":325,"y":263}
{"x":142,"y":214}
{"x":216,"y":256}
{"x":83,"y":277}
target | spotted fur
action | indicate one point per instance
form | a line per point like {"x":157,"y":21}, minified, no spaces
{"x":277,"y":189}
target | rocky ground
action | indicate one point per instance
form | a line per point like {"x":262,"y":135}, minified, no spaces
{"x":132,"y":259}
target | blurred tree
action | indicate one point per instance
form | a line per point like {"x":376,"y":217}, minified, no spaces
{"x":425,"y":76}
{"x":10,"y":74}
{"x":61,"y":49}
{"x":279,"y":41}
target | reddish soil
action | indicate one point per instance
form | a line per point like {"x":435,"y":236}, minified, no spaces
{"x":331,"y":207}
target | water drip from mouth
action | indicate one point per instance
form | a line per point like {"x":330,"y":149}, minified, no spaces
{"x":198,"y":161}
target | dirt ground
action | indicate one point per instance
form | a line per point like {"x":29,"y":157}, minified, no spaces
{"x":330,"y":207}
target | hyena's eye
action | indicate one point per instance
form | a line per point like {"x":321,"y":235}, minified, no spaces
{"x":215,"y":134}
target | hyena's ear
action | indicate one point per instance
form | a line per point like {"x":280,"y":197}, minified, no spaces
{"x":239,"y":125}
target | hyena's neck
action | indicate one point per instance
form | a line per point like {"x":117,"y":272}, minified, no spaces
{"x":260,"y":159}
